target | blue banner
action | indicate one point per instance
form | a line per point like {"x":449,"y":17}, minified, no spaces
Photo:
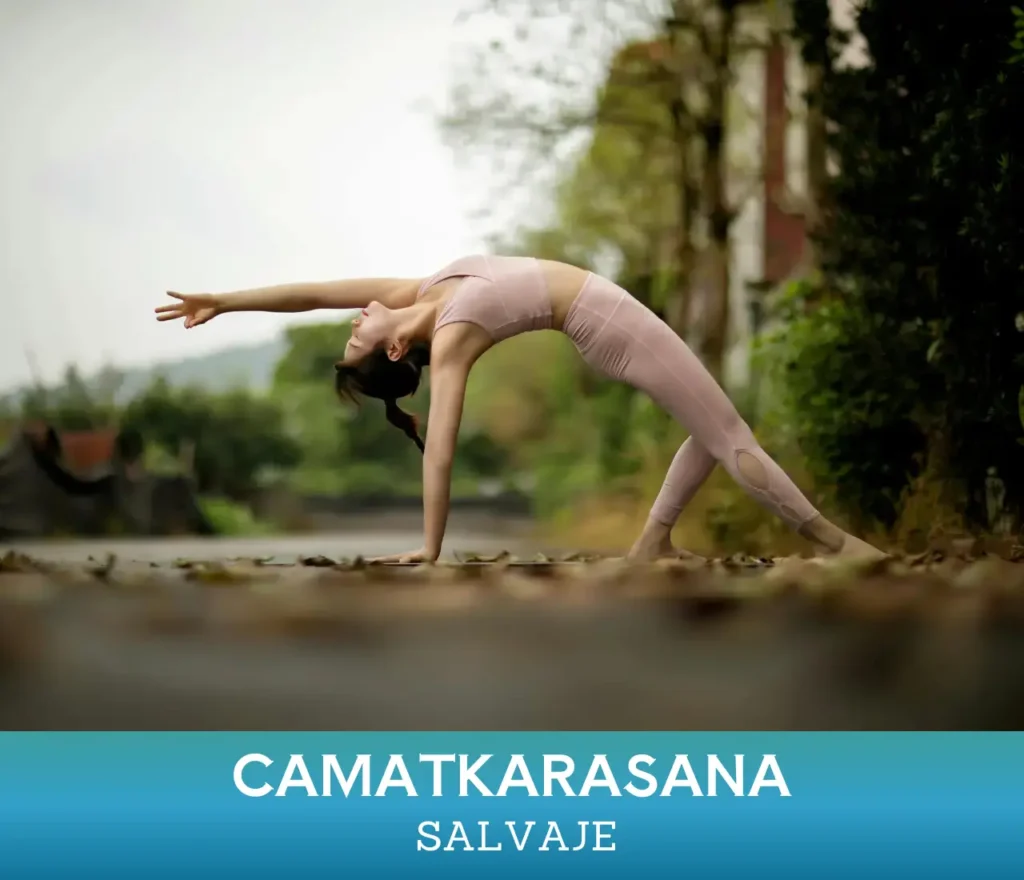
{"x":468,"y":805}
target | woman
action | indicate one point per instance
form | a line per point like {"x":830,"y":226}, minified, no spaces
{"x":453,"y":317}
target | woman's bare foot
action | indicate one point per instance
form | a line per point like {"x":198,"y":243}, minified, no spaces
{"x":656,"y":543}
{"x":834,"y":543}
{"x":856,"y":550}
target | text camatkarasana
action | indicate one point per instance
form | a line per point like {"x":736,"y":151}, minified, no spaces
{"x":462,"y":775}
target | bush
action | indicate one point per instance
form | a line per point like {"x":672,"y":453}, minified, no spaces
{"x":230,"y":518}
{"x":843,"y":386}
{"x":921,"y":235}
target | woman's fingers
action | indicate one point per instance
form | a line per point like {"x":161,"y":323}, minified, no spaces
{"x":188,"y":307}
{"x":172,"y":311}
{"x":183,"y":302}
{"x":197,"y":318}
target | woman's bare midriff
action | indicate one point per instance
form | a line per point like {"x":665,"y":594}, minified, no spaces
{"x":564,"y":284}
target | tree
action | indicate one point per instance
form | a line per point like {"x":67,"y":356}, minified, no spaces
{"x":345,"y":448}
{"x":623,"y":200}
{"x":921,"y":244}
{"x":72,"y":405}
{"x":813,"y":24}
{"x":656,"y":113}
{"x":596,"y":123}
{"x":624,"y":197}
{"x":354,"y":449}
{"x":236,"y":436}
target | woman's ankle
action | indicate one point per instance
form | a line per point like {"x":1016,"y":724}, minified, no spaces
{"x":655,"y":532}
{"x":655,"y":538}
{"x":827,"y":536}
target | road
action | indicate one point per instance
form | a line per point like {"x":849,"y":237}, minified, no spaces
{"x":930,"y":644}
{"x":348,"y":543}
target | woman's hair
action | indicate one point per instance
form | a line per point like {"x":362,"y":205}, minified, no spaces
{"x":380,"y":377}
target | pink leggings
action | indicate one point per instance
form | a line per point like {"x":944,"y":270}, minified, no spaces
{"x":622,"y":338}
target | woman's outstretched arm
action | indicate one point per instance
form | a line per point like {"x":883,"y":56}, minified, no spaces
{"x":355,"y":293}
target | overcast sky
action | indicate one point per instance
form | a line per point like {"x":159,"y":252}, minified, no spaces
{"x":195,"y":145}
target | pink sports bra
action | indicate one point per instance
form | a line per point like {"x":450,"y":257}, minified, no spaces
{"x":503,"y":295}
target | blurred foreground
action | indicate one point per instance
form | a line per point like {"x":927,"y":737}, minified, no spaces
{"x":932,"y":641}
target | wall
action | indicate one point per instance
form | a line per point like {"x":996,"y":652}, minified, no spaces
{"x":768,"y":141}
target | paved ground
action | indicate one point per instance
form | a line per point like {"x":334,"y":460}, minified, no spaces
{"x":932,"y":642}
{"x":283,"y":548}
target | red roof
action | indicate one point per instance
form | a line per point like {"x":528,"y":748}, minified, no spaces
{"x":84,"y":450}
{"x":81,"y":451}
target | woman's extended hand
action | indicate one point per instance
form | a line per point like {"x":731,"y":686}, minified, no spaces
{"x":416,"y":556}
{"x":195,"y":308}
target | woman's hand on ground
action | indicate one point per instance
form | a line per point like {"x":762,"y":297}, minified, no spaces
{"x":195,"y":308}
{"x":416,"y":556}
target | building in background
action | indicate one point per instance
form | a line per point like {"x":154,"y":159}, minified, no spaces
{"x":768,"y":170}
{"x":88,"y":483}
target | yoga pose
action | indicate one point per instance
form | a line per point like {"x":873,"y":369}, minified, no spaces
{"x":451,"y":318}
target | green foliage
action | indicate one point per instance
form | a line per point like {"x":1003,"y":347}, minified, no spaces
{"x":72,"y":405}
{"x":907,"y":343}
{"x":352,"y":448}
{"x":1017,"y":43}
{"x":237,"y":437}
{"x":311,"y":352}
{"x":618,"y":203}
{"x":619,"y":200}
{"x":344,"y":448}
{"x":231,"y":518}
{"x":921,"y":257}
{"x":845,"y":387}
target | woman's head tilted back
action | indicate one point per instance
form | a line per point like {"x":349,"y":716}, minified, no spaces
{"x":380,"y":362}
{"x":377,"y":375}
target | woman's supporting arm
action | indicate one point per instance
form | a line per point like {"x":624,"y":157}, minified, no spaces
{"x":447,"y":395}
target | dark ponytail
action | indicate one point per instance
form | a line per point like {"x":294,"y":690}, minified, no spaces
{"x":402,"y":420}
{"x":387,"y":380}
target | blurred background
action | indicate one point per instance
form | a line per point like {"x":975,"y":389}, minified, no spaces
{"x":825,"y":199}
{"x":826,"y":202}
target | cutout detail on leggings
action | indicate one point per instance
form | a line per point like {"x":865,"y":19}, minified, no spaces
{"x":621,"y":338}
{"x":753,"y":471}
{"x":789,"y":513}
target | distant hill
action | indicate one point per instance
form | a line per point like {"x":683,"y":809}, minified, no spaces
{"x":249,"y":366}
